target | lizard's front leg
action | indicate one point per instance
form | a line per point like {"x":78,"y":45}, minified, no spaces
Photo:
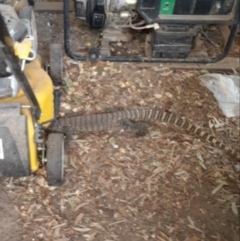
{"x":68,"y":131}
{"x":141,"y":128}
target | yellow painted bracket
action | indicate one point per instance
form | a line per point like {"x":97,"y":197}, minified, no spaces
{"x":22,"y":49}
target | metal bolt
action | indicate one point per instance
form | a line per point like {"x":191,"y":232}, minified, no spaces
{"x":218,"y":5}
{"x":8,"y":69}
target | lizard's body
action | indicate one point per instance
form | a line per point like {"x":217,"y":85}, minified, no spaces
{"x":106,"y":121}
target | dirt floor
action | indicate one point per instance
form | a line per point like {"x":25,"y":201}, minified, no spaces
{"x":166,"y":186}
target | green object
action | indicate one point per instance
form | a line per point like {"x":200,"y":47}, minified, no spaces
{"x":167,"y":7}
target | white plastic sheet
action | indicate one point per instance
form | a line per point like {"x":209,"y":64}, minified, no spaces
{"x":226,"y":89}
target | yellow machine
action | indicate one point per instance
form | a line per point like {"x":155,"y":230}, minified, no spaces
{"x":27,"y":99}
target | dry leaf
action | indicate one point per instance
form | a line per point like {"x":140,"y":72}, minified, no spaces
{"x":80,"y":206}
{"x":218,"y":237}
{"x":164,"y":235}
{"x":56,"y":232}
{"x":218,"y":123}
{"x":103,"y":182}
{"x":168,"y":94}
{"x":179,"y":172}
{"x":97,"y":225}
{"x":41,"y":181}
{"x":234,"y":208}
{"x":191,"y":221}
{"x":200,"y":160}
{"x":158,"y":170}
{"x":112,"y":140}
{"x":78,"y":219}
{"x":193,"y":238}
{"x":68,"y":82}
{"x":83,"y":230}
{"x":72,"y":162}
{"x":90,"y":237}
{"x":158,"y":96}
{"x":61,"y":239}
{"x":193,"y":227}
{"x":215,"y":190}
{"x":237,"y":167}
{"x":161,"y":239}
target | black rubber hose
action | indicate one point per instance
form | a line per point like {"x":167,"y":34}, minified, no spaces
{"x":66,"y":23}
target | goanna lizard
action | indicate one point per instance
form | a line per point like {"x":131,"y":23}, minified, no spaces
{"x":106,"y":121}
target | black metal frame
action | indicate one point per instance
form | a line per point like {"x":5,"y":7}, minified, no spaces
{"x":13,"y":62}
{"x":94,"y":53}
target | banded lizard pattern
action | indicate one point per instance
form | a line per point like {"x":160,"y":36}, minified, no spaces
{"x":105,"y":121}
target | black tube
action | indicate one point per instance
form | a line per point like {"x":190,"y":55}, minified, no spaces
{"x":144,"y":59}
{"x":67,"y":33}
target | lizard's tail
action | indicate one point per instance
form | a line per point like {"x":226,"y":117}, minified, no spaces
{"x":182,"y":123}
